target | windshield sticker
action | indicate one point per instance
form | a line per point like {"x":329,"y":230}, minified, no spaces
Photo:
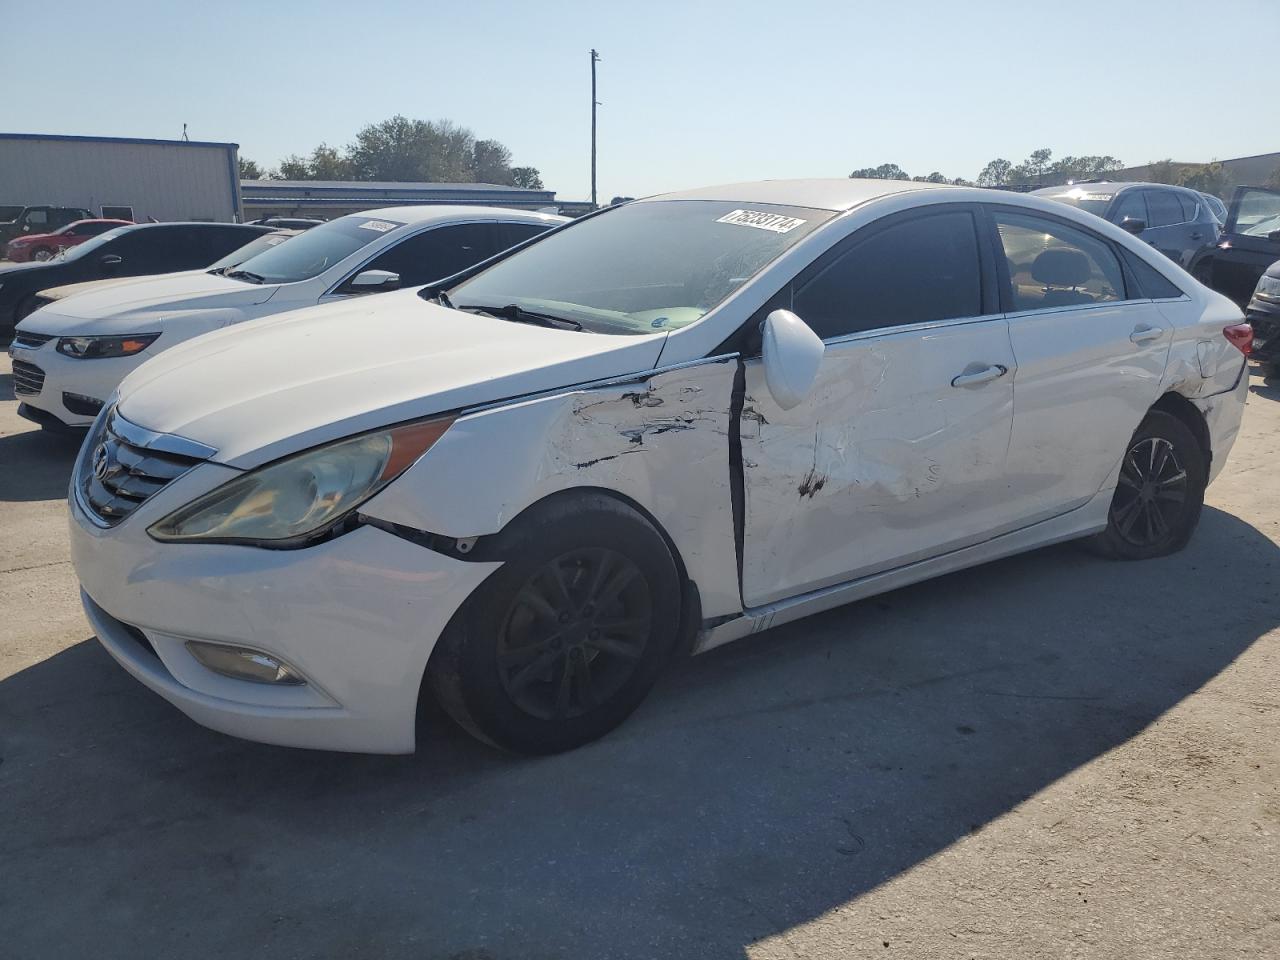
{"x":382,"y":226}
{"x":272,"y":241}
{"x":774,"y":222}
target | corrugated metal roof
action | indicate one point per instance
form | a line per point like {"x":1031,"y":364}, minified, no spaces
{"x":375,"y":185}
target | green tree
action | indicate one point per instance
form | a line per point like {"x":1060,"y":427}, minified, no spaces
{"x":437,"y":151}
{"x":934,"y":177}
{"x":995,"y":173}
{"x":491,"y":163}
{"x":294,"y":167}
{"x":1209,"y":177}
{"x":1082,"y":168}
{"x":527,"y":177}
{"x":886,"y":171}
{"x":250,"y":170}
{"x":1162,"y":171}
{"x":327,"y":163}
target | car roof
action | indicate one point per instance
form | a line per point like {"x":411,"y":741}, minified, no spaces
{"x":1109,"y":187}
{"x":829,"y":194}
{"x":448,"y":212}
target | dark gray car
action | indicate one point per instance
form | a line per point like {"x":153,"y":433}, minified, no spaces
{"x":1175,"y":220}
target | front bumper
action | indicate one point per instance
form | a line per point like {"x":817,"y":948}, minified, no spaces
{"x":1264,"y":315}
{"x":357,"y":616}
{"x":70,"y":390}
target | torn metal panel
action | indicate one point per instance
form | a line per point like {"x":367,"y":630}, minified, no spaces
{"x":662,"y":442}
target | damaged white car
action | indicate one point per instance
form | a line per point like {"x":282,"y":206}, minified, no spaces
{"x":654,"y":430}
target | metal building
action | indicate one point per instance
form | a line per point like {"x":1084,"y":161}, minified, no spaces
{"x":125,"y":177}
{"x":326,"y":199}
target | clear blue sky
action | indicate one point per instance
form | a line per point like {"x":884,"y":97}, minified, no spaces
{"x":693,"y":93}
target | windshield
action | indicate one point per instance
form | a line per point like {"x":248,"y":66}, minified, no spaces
{"x":1258,"y":213}
{"x":9,"y":214}
{"x":86,"y":249}
{"x":315,"y":251}
{"x":1095,"y":203}
{"x":642,"y":268}
{"x":250,"y":249}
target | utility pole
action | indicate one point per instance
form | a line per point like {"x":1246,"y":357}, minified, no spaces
{"x":595,"y":58}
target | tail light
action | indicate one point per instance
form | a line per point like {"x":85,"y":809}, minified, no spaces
{"x":1240,"y":336}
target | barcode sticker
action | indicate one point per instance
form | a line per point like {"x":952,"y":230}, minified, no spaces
{"x":775,"y":222}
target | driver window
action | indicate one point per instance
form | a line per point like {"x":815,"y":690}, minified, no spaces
{"x":1054,"y":265}
{"x":436,"y":254}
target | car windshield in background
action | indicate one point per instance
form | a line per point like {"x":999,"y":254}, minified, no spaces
{"x":9,"y":214}
{"x":1095,"y":203}
{"x":1259,"y":213}
{"x":313,"y":252}
{"x":248,"y":251}
{"x":645,"y":267}
{"x":82,"y":250}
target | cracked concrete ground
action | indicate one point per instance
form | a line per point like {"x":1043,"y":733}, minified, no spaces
{"x":1051,"y":756}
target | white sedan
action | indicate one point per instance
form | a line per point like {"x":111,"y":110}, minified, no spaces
{"x":660,"y":428}
{"x":72,"y":353}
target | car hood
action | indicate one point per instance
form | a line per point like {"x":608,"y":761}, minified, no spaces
{"x":281,"y":384}
{"x":128,"y":307}
{"x":73,"y":289}
{"x":32,"y":236}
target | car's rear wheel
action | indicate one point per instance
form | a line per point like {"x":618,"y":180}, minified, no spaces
{"x":564,"y":640}
{"x":1159,"y":492}
{"x":42,"y":254}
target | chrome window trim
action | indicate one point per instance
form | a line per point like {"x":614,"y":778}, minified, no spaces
{"x":138,"y":436}
{"x":920,"y":327}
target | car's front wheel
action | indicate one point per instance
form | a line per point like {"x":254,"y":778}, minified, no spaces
{"x":42,"y":254}
{"x":1159,"y":492}
{"x":564,"y":640}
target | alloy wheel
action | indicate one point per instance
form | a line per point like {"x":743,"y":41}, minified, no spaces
{"x":574,"y":634}
{"x":1151,"y":494}
{"x":42,"y":255}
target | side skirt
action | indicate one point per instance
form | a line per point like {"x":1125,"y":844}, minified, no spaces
{"x":1081,"y":522}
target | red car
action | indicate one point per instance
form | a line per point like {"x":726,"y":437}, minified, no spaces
{"x":46,"y":246}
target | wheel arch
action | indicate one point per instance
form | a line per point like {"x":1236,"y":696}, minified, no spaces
{"x":1176,"y":405}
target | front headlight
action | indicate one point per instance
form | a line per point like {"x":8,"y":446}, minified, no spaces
{"x":95,"y":348}
{"x":1269,"y":287}
{"x":293,"y":501}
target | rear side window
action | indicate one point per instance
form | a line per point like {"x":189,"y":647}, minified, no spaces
{"x":1052,"y":264}
{"x":1164,"y":208}
{"x":509,"y":234}
{"x":1189,"y":207}
{"x":1151,"y":282}
{"x":915,"y":271}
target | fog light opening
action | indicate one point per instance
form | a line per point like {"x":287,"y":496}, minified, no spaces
{"x":243,"y":663}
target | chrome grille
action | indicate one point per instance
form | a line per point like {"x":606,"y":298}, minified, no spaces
{"x":28,"y":379}
{"x":31,"y":341}
{"x":122,"y":465}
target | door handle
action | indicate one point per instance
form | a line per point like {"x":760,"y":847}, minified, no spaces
{"x":985,"y":375}
{"x":1145,"y":334}
{"x":1197,"y":236}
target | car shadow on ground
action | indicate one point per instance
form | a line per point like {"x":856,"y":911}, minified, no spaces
{"x":760,"y":786}
{"x":36,"y":464}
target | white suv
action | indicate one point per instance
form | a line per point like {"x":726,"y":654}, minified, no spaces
{"x":69,"y":356}
{"x":663,"y":427}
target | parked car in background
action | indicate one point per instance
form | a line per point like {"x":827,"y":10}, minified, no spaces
{"x":130,"y":251}
{"x":74,"y":353}
{"x":233,"y":259}
{"x":1216,"y":207}
{"x":291,"y":223}
{"x":40,"y":219}
{"x":1263,"y":312}
{"x":1175,"y":220}
{"x":1250,"y":243}
{"x":664,"y":426}
{"x":46,"y":246}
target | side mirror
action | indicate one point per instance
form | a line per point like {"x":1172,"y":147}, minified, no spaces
{"x":792,"y":353}
{"x":374,"y":281}
{"x":111,"y":260}
{"x":1133,"y":225}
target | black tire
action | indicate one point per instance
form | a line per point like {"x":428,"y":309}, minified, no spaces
{"x":1160,"y":492}
{"x":566,"y":638}
{"x":1268,"y":369}
{"x":42,"y":254}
